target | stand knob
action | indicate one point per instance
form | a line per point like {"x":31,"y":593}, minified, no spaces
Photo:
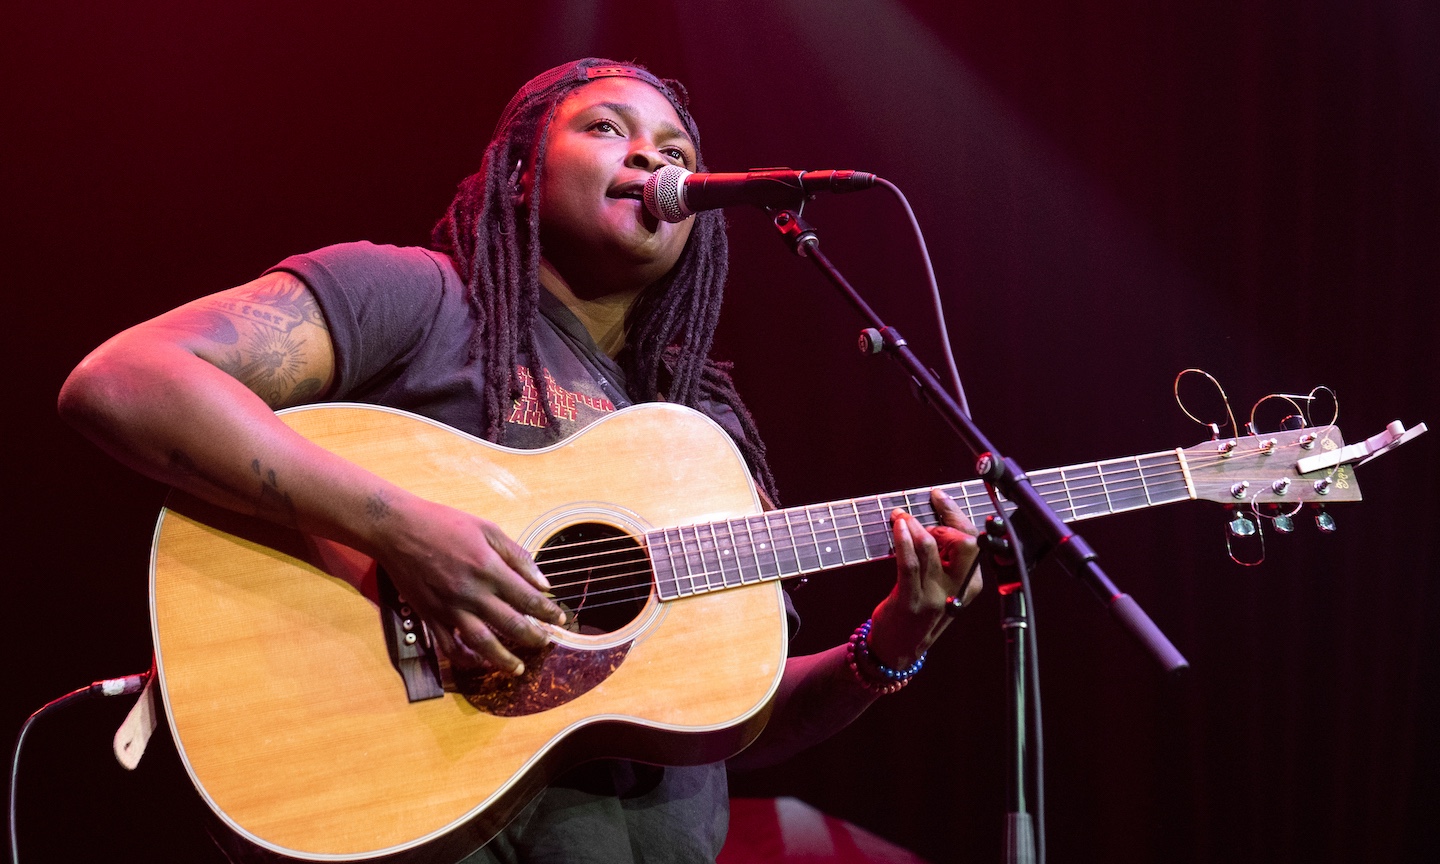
{"x":871,"y":342}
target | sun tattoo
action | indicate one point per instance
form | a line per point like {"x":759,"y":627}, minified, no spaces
{"x":272,"y":364}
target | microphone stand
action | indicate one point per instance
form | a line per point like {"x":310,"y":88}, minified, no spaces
{"x":999,"y":559}
{"x":1048,"y":530}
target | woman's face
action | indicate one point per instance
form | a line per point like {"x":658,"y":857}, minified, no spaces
{"x":606,"y":138}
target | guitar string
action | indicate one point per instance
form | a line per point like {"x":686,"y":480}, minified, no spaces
{"x":865,"y":531}
{"x":1134,"y":489}
{"x":1127,"y":482}
{"x":642,"y":591}
{"x":862,"y":529}
{"x":705,"y":573}
{"x":743,"y":543}
{"x":1076,"y":497}
{"x":703,"y":581}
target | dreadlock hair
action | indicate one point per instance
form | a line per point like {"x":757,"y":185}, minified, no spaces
{"x":670,"y":328}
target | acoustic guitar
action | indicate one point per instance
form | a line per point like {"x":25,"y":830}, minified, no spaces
{"x":317,"y":721}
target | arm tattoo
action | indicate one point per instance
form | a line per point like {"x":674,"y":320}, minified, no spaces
{"x":209,"y":324}
{"x":264,"y":338}
{"x":270,"y":501}
{"x":270,"y":363}
{"x":184,"y":468}
{"x":280,"y":307}
{"x":306,"y":389}
{"x":181,"y":465}
{"x":377,"y":508}
{"x":273,"y":502}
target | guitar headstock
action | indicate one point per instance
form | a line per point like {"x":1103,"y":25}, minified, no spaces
{"x":1262,"y":469}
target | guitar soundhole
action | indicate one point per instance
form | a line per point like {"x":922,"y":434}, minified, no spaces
{"x":600,"y":574}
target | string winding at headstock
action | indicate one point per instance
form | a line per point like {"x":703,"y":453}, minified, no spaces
{"x":1272,"y":476}
{"x":1264,"y":469}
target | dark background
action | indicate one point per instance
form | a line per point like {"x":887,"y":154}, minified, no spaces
{"x":1112,"y":191}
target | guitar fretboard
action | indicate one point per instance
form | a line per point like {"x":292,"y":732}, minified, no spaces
{"x":778,"y":544}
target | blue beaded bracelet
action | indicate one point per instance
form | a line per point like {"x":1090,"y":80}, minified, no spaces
{"x":893,"y":679}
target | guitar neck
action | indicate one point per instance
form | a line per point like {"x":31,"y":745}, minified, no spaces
{"x":779,"y":544}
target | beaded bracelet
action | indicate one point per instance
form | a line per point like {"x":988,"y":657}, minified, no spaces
{"x":891,"y":680}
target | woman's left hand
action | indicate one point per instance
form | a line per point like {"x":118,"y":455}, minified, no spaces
{"x":932,"y":565}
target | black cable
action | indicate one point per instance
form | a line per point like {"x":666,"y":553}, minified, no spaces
{"x":1032,"y":660}
{"x":934,"y":286}
{"x":108,"y":687}
{"x":1032,"y":663}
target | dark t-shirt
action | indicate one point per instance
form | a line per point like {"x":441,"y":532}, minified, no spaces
{"x":401,"y":327}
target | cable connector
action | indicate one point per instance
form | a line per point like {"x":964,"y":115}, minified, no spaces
{"x":127,"y":686}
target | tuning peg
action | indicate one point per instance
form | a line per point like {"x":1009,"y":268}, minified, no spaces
{"x":1245,"y":539}
{"x":1324,"y":521}
{"x":1292,"y":422}
{"x":1282,"y":521}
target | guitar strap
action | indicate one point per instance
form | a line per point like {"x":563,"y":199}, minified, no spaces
{"x":134,"y":734}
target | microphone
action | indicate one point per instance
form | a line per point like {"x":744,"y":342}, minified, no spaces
{"x":673,"y":194}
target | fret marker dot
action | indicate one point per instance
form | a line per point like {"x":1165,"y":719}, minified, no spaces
{"x":827,"y":548}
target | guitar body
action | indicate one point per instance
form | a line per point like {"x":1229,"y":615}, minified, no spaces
{"x":288,"y":711}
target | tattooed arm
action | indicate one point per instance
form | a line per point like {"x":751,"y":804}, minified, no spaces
{"x":187,"y":398}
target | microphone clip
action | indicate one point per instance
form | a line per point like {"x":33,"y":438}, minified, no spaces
{"x":794,"y":230}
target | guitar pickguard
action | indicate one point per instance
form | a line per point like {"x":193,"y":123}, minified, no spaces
{"x":555,"y":675}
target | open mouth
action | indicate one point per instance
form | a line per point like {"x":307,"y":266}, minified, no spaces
{"x":633,"y":191}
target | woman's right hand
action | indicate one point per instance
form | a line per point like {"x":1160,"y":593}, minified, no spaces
{"x":480,"y":592}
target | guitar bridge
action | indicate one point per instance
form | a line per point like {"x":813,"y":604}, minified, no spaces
{"x":412,"y":651}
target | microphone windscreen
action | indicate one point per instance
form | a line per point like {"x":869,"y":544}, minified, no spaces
{"x":664,"y":194}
